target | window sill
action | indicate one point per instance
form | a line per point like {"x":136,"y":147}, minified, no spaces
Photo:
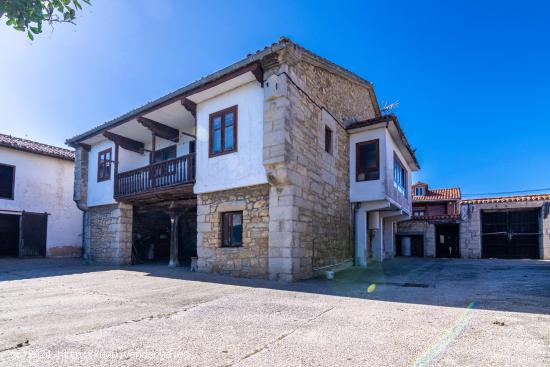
{"x":213,"y":155}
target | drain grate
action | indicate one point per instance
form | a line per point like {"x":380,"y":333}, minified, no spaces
{"x":410,"y":285}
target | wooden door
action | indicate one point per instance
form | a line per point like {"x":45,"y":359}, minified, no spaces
{"x":34,"y":230}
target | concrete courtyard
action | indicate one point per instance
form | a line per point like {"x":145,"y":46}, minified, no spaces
{"x":404,"y":312}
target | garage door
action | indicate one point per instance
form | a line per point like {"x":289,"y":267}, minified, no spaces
{"x":510,"y":234}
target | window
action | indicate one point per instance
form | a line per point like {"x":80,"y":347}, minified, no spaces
{"x":223,"y":132}
{"x":104,"y":165}
{"x":418,"y":213}
{"x":399,"y":175}
{"x":419,"y":191}
{"x":367,"y":161}
{"x":7,"y":181}
{"x":165,"y":154}
{"x":328,"y":140}
{"x":232,"y":229}
{"x":192,"y":147}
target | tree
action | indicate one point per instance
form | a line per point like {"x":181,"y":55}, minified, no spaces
{"x":28,"y":15}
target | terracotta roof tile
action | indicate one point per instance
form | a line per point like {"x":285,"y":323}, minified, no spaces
{"x":437,"y":217}
{"x":30,"y":146}
{"x":439,"y":195}
{"x":508,"y":199}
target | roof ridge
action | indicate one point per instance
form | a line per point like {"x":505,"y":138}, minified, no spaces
{"x":35,"y":142}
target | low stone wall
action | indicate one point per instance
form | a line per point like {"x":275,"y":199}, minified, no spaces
{"x":108,"y":234}
{"x":418,"y":227}
{"x":250,"y":260}
{"x":470,"y":229}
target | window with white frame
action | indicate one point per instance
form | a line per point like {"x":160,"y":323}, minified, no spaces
{"x":419,"y":191}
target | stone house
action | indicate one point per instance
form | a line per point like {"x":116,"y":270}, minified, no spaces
{"x":433,"y":230}
{"x":37,"y":214}
{"x":277,"y":166}
{"x":510,"y":227}
{"x":443,"y":225}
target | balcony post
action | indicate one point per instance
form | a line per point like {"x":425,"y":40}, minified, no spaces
{"x":174,"y":246}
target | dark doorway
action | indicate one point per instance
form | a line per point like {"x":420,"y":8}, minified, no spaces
{"x":151,"y":231}
{"x":34,"y":232}
{"x":512,"y":234}
{"x":417,"y":245}
{"x":446,"y":241}
{"x":9,"y":235}
{"x":187,"y":237}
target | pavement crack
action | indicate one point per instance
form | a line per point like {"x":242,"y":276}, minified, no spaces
{"x":281,"y":337}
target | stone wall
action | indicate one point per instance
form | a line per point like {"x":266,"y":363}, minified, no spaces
{"x":80,"y":192}
{"x":310,"y":212}
{"x":108,"y":234}
{"x":250,"y":260}
{"x":470,"y":229}
{"x":419,"y":227}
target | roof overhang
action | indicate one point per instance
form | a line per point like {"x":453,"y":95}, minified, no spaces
{"x":391,"y":123}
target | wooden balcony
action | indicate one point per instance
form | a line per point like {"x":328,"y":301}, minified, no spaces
{"x":157,"y":180}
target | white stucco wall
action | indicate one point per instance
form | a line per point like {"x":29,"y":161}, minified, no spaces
{"x":382,"y":188}
{"x":45,"y":184}
{"x":241,"y":168}
{"x":368,"y":190}
{"x":100,"y":193}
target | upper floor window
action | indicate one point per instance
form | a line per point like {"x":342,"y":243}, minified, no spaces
{"x":419,"y":191}
{"x":7,"y":181}
{"x":328,"y":140}
{"x":104,"y":165}
{"x":223,"y":132}
{"x":232,"y":229}
{"x":367,"y":161}
{"x":165,"y":154}
{"x":399,"y":175}
{"x":418,"y":213}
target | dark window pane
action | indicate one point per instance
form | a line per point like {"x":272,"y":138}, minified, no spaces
{"x":328,"y":140}
{"x":232,"y":228}
{"x":228,"y":119}
{"x":229,"y":142}
{"x":6,"y":181}
{"x":216,"y":141}
{"x":217,"y":123}
{"x":367,"y":161}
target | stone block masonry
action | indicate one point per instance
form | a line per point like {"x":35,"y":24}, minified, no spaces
{"x":109,"y":234}
{"x":249,"y":260}
{"x":420,"y":227}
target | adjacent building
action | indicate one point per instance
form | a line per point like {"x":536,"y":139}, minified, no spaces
{"x":433,"y":230}
{"x":37,"y":214}
{"x":509,"y":227}
{"x":277,"y":166}
{"x":443,"y":225}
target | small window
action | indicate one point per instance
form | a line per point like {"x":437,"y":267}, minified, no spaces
{"x":7,"y":181}
{"x":418,"y":213}
{"x":191,"y":147}
{"x":232,"y":229}
{"x":399,"y":175}
{"x":165,"y":154}
{"x":328,"y":140}
{"x":223,"y":132}
{"x":104,"y":165}
{"x":419,"y":191}
{"x":367,"y":161}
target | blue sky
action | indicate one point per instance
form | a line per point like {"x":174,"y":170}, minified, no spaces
{"x":472,"y":77}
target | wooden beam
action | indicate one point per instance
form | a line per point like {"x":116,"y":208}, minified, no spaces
{"x":124,"y":142}
{"x":189,"y":135}
{"x":189,"y":106}
{"x":84,"y":146}
{"x":160,"y":130}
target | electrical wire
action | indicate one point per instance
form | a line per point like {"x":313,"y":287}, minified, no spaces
{"x":508,"y":192}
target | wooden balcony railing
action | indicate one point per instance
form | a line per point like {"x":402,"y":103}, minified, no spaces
{"x":177,"y":171}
